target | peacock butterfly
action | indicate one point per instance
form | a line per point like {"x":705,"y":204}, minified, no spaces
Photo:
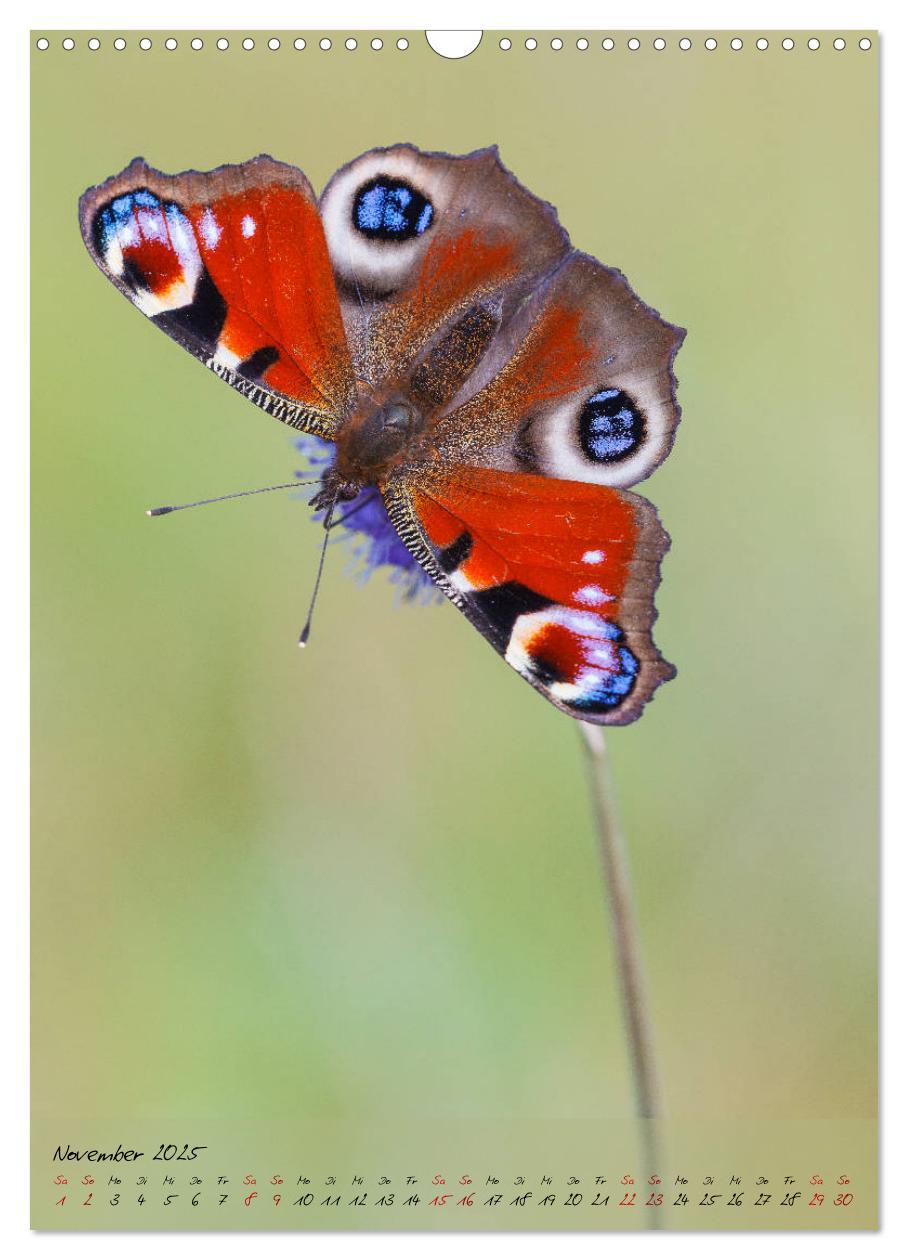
{"x":498,"y":388}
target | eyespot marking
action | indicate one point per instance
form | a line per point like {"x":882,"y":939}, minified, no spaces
{"x":610,"y":426}
{"x":387,"y":209}
{"x":579,"y":657}
{"x":114,"y":223}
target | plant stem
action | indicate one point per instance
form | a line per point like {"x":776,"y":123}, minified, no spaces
{"x":638,"y":1020}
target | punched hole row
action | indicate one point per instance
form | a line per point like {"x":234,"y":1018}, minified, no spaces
{"x":223,"y":43}
{"x":505,"y":44}
{"x":736,"y":44}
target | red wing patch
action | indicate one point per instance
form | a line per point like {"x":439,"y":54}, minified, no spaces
{"x":233,"y":265}
{"x":558,"y":576}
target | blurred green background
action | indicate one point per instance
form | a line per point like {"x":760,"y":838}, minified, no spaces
{"x":362,"y":881}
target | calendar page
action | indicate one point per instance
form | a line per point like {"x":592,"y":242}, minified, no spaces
{"x":561,"y":343}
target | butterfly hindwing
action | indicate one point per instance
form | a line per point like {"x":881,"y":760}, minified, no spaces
{"x":232,"y":264}
{"x":558,"y":576}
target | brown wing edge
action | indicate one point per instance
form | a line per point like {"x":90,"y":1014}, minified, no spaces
{"x":639,"y":599}
{"x":675,"y":337}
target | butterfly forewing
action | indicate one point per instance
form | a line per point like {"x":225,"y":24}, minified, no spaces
{"x":233,"y":265}
{"x":585,"y":388}
{"x":419,"y":240}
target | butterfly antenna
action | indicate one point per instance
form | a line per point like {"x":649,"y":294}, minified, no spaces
{"x":307,"y":628}
{"x":221,"y":498}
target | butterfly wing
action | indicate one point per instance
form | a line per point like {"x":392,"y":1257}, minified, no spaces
{"x":232,"y":264}
{"x":558,"y":576}
{"x":431,"y":253}
{"x":584,"y":388}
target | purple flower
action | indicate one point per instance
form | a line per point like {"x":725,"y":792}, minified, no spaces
{"x":372,"y":540}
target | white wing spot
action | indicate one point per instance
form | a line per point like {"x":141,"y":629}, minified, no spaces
{"x":248,"y":225}
{"x":460,"y":581}
{"x":593,"y":557}
{"x":225,"y":356}
{"x":210,"y":229}
{"x":593,"y":596}
{"x":151,"y":225}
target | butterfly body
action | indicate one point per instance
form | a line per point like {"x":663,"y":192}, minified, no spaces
{"x":500,"y":390}
{"x":377,"y":439}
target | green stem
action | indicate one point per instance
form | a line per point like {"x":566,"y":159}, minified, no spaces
{"x":638,"y":1021}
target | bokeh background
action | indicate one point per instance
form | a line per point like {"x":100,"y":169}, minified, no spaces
{"x":359,"y":885}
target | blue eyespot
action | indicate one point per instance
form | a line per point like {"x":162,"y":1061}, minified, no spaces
{"x":609,"y":687}
{"x":117,"y":215}
{"x":141,"y":197}
{"x":611,"y":427}
{"x":390,"y":210}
